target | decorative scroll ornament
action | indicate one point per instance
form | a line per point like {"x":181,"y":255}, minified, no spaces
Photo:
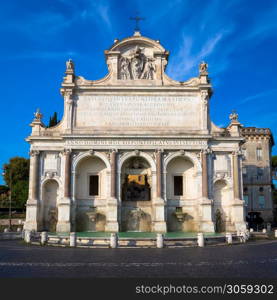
{"x":137,"y":152}
{"x":205,"y":97}
{"x":182,"y":152}
{"x":50,"y":174}
{"x":91,"y":152}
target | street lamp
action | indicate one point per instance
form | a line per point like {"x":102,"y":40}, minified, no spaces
{"x":10,"y":199}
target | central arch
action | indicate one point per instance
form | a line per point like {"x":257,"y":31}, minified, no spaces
{"x":137,"y":189}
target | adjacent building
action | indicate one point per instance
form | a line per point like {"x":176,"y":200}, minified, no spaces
{"x":257,"y":172}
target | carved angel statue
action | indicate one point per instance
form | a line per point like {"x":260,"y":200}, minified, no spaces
{"x":124,"y":68}
{"x":203,"y":68}
{"x":70,"y":65}
{"x":149,"y":69}
{"x":38,"y":115}
{"x":233,"y":116}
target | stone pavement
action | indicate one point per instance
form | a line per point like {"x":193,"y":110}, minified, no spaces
{"x":251,"y":260}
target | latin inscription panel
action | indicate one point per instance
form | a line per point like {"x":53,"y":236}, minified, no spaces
{"x":138,"y":111}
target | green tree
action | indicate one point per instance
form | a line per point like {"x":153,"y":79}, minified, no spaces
{"x":53,"y":120}
{"x":16,"y":176}
{"x":3,"y":189}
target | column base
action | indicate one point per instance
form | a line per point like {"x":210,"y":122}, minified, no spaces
{"x":112,"y":226}
{"x":32,"y":220}
{"x":63,"y":226}
{"x":159,"y":226}
{"x":206,"y":226}
{"x":31,"y":226}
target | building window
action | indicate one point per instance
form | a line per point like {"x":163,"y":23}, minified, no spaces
{"x":261,"y":201}
{"x":245,"y":198}
{"x":178,"y":185}
{"x":93,"y":185}
{"x":259,"y":154}
{"x":260,"y":172}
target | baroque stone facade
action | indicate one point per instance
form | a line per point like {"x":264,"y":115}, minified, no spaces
{"x":136,"y":151}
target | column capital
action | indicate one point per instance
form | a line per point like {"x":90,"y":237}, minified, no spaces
{"x":34,"y":152}
{"x":207,"y":150}
{"x":67,"y":93}
{"x":114,"y":150}
{"x":237,"y":153}
{"x":159,"y":150}
{"x":66,"y":151}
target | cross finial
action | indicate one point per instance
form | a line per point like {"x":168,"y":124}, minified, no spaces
{"x":137,"y":19}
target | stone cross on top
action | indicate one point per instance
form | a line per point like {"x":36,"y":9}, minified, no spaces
{"x":137,"y":19}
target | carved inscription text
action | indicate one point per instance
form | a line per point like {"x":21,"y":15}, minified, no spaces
{"x":138,"y":111}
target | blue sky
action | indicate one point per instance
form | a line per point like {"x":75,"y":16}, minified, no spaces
{"x":237,"y":38}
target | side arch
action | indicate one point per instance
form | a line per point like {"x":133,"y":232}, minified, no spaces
{"x":83,"y":155}
{"x":187,"y":155}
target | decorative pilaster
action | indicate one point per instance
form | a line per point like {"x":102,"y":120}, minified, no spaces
{"x":159,"y":173}
{"x":67,"y":174}
{"x":204,"y":174}
{"x":113,"y":173}
{"x":32,"y":205}
{"x":159,"y":224}
{"x":206,"y":224}
{"x":64,"y":205}
{"x":204,"y":108}
{"x":238,"y":217}
{"x":68,"y":109}
{"x":112,"y":203}
{"x":236,"y":184}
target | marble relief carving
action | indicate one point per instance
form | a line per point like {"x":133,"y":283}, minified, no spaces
{"x":137,"y":66}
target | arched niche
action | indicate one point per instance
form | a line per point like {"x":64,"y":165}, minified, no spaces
{"x":221,"y":204}
{"x":50,"y":190}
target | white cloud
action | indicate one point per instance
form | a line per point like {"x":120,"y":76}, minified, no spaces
{"x":185,"y":62}
{"x":258,"y":96}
